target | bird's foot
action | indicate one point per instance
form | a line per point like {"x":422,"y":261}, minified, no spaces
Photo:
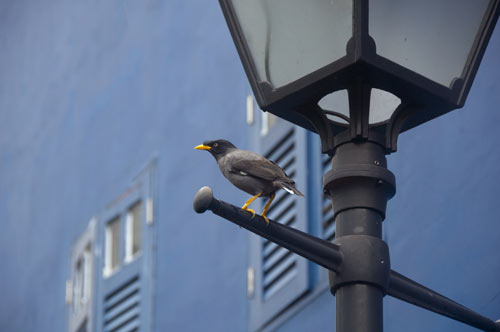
{"x":267,"y":220}
{"x":249,"y":210}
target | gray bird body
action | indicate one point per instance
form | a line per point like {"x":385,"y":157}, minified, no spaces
{"x":253,"y":173}
{"x":249,"y":171}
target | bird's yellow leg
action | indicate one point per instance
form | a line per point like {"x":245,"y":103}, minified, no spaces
{"x":247,"y":203}
{"x":266,"y":207}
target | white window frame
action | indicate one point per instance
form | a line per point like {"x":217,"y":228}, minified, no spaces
{"x":87,"y":275}
{"x":129,"y":233}
{"x":108,"y":248}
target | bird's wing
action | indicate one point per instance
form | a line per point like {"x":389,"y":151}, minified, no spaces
{"x":256,"y":166}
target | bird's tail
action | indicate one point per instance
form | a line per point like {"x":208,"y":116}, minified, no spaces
{"x":290,"y":188}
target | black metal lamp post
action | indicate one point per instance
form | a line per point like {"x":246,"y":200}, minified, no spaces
{"x":421,"y":54}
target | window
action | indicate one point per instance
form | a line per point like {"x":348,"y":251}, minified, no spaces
{"x":133,"y":231}
{"x":112,"y":246}
{"x":125,"y":286}
{"x":81,"y":280}
{"x":280,"y":282}
{"x":80,"y":286}
{"x":277,"y":278}
{"x":110,"y":286}
{"x":77,"y":285}
{"x":267,"y":123}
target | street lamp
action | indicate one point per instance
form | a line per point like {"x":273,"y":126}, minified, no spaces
{"x":423,"y":53}
{"x":419,"y":58}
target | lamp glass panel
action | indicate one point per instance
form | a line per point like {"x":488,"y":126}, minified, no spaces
{"x":289,"y":39}
{"x":382,"y":105}
{"x":430,"y":37}
{"x":337,"y":101}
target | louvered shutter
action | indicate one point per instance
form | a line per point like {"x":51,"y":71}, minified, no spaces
{"x":124,"y":298}
{"x":281,"y":277}
{"x":122,"y":306}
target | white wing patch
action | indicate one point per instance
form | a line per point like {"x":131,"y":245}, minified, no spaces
{"x":243,"y":173}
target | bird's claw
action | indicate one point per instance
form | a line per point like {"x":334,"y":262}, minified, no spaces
{"x":251,"y":211}
{"x":267,"y":220}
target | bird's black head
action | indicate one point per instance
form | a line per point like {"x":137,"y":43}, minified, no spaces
{"x":217,"y":148}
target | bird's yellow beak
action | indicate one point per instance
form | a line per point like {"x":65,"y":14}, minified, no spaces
{"x":202,"y":147}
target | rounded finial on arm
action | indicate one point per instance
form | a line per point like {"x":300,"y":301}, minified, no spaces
{"x":202,"y":200}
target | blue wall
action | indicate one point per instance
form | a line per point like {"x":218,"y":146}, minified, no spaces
{"x":92,"y":91}
{"x":443,"y":223}
{"x":89,"y":93}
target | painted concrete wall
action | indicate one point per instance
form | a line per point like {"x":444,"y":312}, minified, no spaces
{"x":443,"y":222}
{"x":89,"y":93}
{"x":92,"y":91}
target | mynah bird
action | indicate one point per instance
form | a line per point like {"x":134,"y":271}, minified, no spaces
{"x":250,"y":172}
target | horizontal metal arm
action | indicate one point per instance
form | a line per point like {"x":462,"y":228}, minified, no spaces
{"x":409,"y":291}
{"x":329,"y":256}
{"x":315,"y":249}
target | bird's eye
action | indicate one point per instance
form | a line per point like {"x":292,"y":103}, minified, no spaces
{"x":216,"y":145}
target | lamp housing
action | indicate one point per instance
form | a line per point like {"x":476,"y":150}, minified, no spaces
{"x":387,"y":65}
